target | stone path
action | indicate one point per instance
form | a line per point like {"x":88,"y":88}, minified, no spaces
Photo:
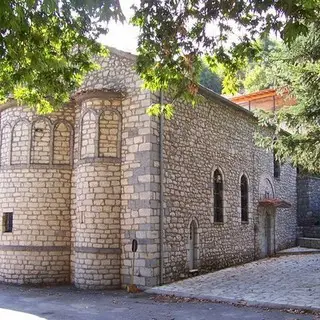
{"x":287,"y":281}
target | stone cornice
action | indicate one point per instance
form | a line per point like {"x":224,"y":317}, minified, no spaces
{"x":97,"y":94}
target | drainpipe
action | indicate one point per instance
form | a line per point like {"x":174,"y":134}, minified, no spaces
{"x":274,"y":231}
{"x":161,"y":188}
{"x":255,"y":210}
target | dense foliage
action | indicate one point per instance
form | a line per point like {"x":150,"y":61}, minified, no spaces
{"x":257,"y":74}
{"x":210,"y":79}
{"x":296,"y":69}
{"x":46,"y":47}
{"x":175,"y":34}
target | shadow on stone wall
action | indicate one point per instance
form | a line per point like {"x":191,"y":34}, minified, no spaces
{"x":308,"y":194}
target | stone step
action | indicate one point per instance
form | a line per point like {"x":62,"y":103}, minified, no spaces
{"x":297,"y":251}
{"x":193,"y":272}
{"x":309,"y":242}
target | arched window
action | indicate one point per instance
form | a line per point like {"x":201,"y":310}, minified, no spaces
{"x":276,"y":162}
{"x":20,"y":142}
{"x":218,"y":196}
{"x":88,"y":135}
{"x":5,"y":145}
{"x":41,"y":141}
{"x":62,"y":137}
{"x":276,"y":167}
{"x":109,"y":134}
{"x":244,"y":199}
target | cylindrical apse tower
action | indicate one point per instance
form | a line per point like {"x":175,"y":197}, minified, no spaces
{"x":96,"y":188}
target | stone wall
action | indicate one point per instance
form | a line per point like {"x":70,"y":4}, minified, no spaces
{"x":286,"y":219}
{"x":139,"y":213}
{"x":96,"y":193}
{"x":284,"y":188}
{"x":36,"y":189}
{"x":83,"y":182}
{"x":217,"y":135}
{"x":308,"y":191}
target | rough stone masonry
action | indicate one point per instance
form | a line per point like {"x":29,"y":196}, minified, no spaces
{"x":81,"y":183}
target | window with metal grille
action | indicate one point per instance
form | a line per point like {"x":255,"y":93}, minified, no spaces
{"x":218,"y":196}
{"x":7,"y":221}
{"x":244,"y":199}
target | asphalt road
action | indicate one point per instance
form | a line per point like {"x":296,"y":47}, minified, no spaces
{"x":59,"y":303}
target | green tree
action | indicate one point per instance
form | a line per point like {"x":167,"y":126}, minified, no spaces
{"x":257,"y":74}
{"x":46,"y":47}
{"x":296,"y":70}
{"x":210,"y":79}
{"x":176,"y":34}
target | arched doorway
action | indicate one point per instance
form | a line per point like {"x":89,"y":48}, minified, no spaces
{"x":193,"y":246}
{"x":265,"y":229}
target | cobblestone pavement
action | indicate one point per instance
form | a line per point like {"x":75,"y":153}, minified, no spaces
{"x":287,"y":281}
{"x":67,"y":303}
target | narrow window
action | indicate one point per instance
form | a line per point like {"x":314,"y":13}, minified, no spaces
{"x":244,"y":199}
{"x":276,"y":167}
{"x":7,"y":221}
{"x":218,"y":196}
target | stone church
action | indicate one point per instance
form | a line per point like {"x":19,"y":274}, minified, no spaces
{"x":78,"y":185}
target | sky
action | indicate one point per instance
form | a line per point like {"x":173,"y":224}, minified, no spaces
{"x":123,"y":36}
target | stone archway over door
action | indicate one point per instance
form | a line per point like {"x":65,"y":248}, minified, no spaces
{"x":193,"y":246}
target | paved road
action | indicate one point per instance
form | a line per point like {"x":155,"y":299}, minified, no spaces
{"x":287,"y":280}
{"x":65,"y":303}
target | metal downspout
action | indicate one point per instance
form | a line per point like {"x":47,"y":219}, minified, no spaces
{"x":161,"y":189}
{"x":274,"y":231}
{"x":255,"y":210}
